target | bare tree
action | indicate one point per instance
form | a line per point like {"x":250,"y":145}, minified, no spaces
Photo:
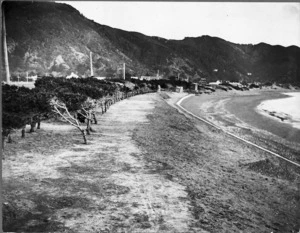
{"x":61,"y":109}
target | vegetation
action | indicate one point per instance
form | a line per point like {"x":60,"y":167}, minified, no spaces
{"x":22,"y":106}
{"x":76,"y":100}
{"x":72,"y":100}
{"x":52,"y":38}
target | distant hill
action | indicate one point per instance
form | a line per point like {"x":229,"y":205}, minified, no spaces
{"x":52,"y":38}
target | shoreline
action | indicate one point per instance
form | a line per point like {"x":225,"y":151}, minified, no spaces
{"x":286,"y":113}
{"x":238,"y":109}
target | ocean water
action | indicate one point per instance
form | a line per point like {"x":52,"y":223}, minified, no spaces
{"x":285,"y":110}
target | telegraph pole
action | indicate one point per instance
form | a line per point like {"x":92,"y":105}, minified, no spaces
{"x":124,"y":71}
{"x":91,"y":64}
{"x":7,"y":74}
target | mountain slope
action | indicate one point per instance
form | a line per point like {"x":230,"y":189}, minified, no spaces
{"x":51,"y":38}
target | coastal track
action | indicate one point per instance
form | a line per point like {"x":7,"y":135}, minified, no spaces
{"x":178,"y":103}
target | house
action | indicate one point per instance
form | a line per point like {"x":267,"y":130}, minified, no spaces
{"x":195,"y":85}
{"x":202,"y":81}
{"x":215,"y":83}
{"x":185,"y":79}
{"x":148,"y":78}
{"x":72,"y":75}
{"x":179,"y":89}
{"x":100,"y":78}
{"x":33,"y":77}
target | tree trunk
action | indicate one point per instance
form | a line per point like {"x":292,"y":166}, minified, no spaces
{"x":95,"y":119}
{"x":101,"y":109}
{"x":3,"y":144}
{"x":83,"y":135}
{"x":9,"y":140}
{"x":23,"y":132}
{"x":39,"y":124}
{"x":88,"y":126}
{"x":88,"y":131}
{"x":32,"y":126}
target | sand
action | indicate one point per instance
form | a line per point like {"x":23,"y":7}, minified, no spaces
{"x":286,"y":110}
{"x":233,"y":110}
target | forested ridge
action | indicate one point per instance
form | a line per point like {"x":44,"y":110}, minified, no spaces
{"x":54,"y":39}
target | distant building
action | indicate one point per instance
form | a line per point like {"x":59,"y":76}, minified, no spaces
{"x":33,"y":77}
{"x":185,"y":79}
{"x":72,"y":75}
{"x":195,"y":86}
{"x":202,"y":81}
{"x":179,"y":89}
{"x":237,"y":84}
{"x":100,"y":78}
{"x":148,"y":78}
{"x":215,"y":83}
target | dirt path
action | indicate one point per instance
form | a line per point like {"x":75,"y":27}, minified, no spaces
{"x":103,"y":186}
{"x":147,"y":168}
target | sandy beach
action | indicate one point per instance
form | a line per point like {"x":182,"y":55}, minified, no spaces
{"x":149,"y":168}
{"x":235,"y":110}
{"x":285,"y":110}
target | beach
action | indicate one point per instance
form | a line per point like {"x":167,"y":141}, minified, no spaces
{"x":286,"y":110}
{"x":233,"y":110}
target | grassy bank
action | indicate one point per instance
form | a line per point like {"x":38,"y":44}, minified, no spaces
{"x":147,"y":168}
{"x":232,"y":187}
{"x":235,"y":113}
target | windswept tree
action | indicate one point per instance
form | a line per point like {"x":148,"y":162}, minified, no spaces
{"x":60,"y":108}
{"x":74,"y":100}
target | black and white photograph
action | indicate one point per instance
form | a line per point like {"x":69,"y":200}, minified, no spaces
{"x":150,"y":116}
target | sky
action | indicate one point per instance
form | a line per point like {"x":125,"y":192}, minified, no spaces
{"x":275,"y":23}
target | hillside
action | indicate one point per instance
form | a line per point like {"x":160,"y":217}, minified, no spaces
{"x":52,"y":38}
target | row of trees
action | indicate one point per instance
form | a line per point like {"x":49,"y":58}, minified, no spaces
{"x":73,"y":100}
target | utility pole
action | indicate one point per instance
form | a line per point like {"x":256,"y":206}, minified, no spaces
{"x":124,"y":71}
{"x":91,"y":64}
{"x":7,"y":74}
{"x":27,"y":75}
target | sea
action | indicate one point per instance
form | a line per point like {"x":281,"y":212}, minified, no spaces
{"x":285,"y":110}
